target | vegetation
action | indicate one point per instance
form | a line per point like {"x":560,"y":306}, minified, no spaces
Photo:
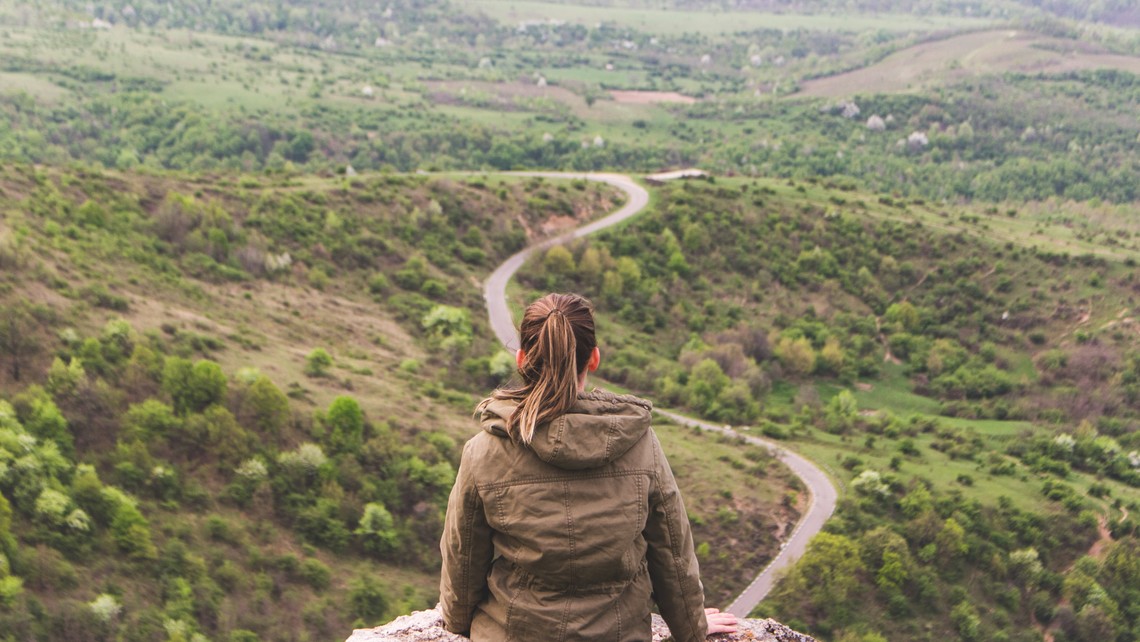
{"x":932,"y":371}
{"x":238,"y":349}
{"x":197,"y":437}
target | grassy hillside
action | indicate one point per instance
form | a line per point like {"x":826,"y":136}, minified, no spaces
{"x":972,"y":390}
{"x":233,"y":406}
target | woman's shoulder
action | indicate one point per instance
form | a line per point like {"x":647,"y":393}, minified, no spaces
{"x":604,"y":397}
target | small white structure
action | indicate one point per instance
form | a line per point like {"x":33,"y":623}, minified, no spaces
{"x":662,"y":177}
{"x":848,"y":110}
{"x":367,"y":91}
{"x":706,"y":59}
{"x":599,"y":141}
{"x":547,"y":137}
{"x":541,"y":82}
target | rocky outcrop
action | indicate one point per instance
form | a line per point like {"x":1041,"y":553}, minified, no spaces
{"x":427,"y":626}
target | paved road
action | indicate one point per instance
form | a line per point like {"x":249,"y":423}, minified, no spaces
{"x":495,"y":288}
{"x":821,"y":503}
{"x":822,"y":495}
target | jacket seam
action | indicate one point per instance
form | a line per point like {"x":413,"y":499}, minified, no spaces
{"x":465,"y":575}
{"x":610,"y":437}
{"x":670,"y":520}
{"x":546,"y":479}
{"x":561,"y":423}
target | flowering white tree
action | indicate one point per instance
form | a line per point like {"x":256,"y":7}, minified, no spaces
{"x":105,"y":607}
{"x":917,"y":141}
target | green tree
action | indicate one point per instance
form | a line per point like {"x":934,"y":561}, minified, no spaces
{"x":824,"y":578}
{"x":150,"y":419}
{"x":449,"y":328}
{"x":345,"y":421}
{"x":377,"y":530}
{"x":64,"y":379}
{"x":129,"y":528}
{"x":796,"y":354}
{"x":18,"y":341}
{"x":1025,"y":567}
{"x":905,"y":315}
{"x":966,"y":621}
{"x":831,"y":357}
{"x":367,"y":599}
{"x":193,"y":387}
{"x":558,"y":263}
{"x":706,"y":381}
{"x":951,"y":542}
{"x":841,"y":412}
{"x":264,"y":407}
{"x":42,"y":418}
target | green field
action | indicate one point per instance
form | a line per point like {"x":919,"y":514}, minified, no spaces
{"x":675,"y":22}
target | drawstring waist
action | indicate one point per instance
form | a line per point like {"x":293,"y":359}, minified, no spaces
{"x":522,"y":578}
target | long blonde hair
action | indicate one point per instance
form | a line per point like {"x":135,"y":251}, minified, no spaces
{"x":557,"y":337}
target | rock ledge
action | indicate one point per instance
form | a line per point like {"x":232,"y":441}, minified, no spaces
{"x":427,"y":626}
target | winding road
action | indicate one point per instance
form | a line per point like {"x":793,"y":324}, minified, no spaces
{"x":822,"y":495}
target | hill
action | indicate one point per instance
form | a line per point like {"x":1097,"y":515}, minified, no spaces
{"x":935,"y":365}
{"x":232,"y":407}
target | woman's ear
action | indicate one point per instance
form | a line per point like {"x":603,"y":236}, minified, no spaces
{"x":520,"y":358}
{"x":595,"y":360}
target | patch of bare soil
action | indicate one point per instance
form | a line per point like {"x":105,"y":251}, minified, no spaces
{"x":940,"y":62}
{"x":650,"y":97}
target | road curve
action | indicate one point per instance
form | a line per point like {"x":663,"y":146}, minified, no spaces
{"x":822,"y":495}
{"x":821,"y":503}
{"x":495,"y":287}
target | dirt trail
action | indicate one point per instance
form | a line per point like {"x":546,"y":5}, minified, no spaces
{"x":1104,"y":538}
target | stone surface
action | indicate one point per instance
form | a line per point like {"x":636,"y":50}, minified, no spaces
{"x":427,"y":626}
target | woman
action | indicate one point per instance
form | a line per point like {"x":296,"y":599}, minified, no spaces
{"x":565,"y":522}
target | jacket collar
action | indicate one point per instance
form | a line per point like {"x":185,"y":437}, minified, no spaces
{"x":598,"y":428}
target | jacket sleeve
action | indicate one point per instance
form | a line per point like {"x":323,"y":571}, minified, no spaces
{"x":672,"y":561}
{"x":466,"y":549}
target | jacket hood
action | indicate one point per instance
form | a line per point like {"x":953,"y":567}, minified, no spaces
{"x":598,"y":428}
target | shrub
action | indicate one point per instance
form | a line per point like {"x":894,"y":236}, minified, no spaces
{"x":315,"y":573}
{"x":318,"y":362}
{"x":367,"y":599}
{"x":377,"y":529}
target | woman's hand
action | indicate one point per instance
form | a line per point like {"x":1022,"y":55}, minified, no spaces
{"x":720,"y":622}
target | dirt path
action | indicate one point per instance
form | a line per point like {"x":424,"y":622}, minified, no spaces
{"x":1095,"y":551}
{"x":823,"y":493}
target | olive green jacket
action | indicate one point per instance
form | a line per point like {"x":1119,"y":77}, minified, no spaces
{"x":573,"y":537}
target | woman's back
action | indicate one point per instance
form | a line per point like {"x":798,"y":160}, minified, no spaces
{"x":577,"y":523}
{"x":565,"y":522}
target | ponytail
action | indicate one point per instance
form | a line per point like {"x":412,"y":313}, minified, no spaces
{"x":557,"y":337}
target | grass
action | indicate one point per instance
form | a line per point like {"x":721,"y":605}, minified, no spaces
{"x":677,"y":22}
{"x":941,"y":62}
{"x":35,"y":86}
